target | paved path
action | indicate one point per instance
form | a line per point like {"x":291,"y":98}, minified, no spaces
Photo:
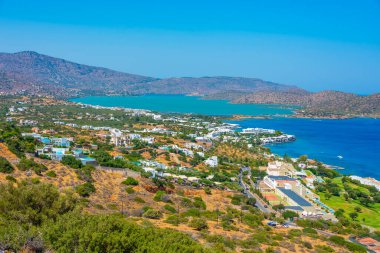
{"x":246,"y":190}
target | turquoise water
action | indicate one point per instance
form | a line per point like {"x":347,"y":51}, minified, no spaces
{"x":184,"y":104}
{"x":356,"y":140}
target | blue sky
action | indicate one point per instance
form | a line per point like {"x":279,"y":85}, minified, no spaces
{"x":316,"y":45}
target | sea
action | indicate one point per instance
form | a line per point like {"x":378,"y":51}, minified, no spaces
{"x":352,"y":144}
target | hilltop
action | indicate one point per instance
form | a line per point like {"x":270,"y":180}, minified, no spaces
{"x":34,"y":73}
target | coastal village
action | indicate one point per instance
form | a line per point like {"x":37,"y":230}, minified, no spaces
{"x":186,"y":150}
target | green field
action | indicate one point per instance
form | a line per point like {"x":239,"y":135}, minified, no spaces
{"x":369,"y":216}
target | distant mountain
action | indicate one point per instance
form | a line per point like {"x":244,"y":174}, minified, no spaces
{"x":35,"y":73}
{"x":325,"y":103}
{"x":210,"y":85}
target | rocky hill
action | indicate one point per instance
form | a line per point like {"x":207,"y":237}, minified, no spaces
{"x":37,"y":73}
{"x":325,"y":103}
{"x":30,"y":72}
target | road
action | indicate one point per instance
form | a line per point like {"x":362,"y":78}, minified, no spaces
{"x":260,"y":204}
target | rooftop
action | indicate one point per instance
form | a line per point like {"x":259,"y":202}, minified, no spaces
{"x":295,"y":197}
{"x":282,"y":178}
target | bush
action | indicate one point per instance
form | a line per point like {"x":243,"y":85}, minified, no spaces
{"x":349,"y":245}
{"x":51,"y":173}
{"x":236,"y":199}
{"x":207,"y":190}
{"x":152,"y":214}
{"x":199,"y":203}
{"x":161,"y":196}
{"x":310,"y":231}
{"x":30,"y":164}
{"x":5,"y":166}
{"x":307,"y":245}
{"x":174,"y":220}
{"x":11,"y":179}
{"x":30,"y":203}
{"x":85,"y":189}
{"x":198,"y":224}
{"x":170,"y":208}
{"x":77,"y":232}
{"x":139,"y":200}
{"x":288,"y":214}
{"x":71,"y":161}
{"x":130,"y":190}
{"x":130,"y":181}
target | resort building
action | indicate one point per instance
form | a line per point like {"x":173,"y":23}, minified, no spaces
{"x":278,"y":168}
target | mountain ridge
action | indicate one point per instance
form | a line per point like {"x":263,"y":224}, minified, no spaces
{"x":31,"y":73}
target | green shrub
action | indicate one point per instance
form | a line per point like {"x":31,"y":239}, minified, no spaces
{"x":30,"y":164}
{"x":152,"y":214}
{"x":252,"y":220}
{"x":85,"y":189}
{"x":349,"y":245}
{"x":288,"y":214}
{"x":112,"y":233}
{"x":192,"y":212}
{"x":130,"y":181}
{"x":307,"y":245}
{"x":236,"y":199}
{"x":130,"y":190}
{"x":72,"y":162}
{"x":11,"y":179}
{"x":198,"y":224}
{"x":5,"y":166}
{"x":170,"y":208}
{"x":310,"y":231}
{"x":161,"y":196}
{"x":51,"y":173}
{"x":324,"y":249}
{"x":199,"y":203}
{"x":112,"y":206}
{"x":139,"y":200}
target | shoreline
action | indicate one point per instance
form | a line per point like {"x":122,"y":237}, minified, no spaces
{"x":295,"y":114}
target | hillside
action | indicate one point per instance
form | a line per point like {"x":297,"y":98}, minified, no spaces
{"x":323,"y":103}
{"x":37,"y":73}
{"x":32,"y":73}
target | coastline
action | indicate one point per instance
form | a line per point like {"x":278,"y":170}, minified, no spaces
{"x":243,"y":118}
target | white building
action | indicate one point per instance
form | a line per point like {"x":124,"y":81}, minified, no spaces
{"x":212,"y":161}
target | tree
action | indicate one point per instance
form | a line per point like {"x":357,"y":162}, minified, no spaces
{"x":358,"y":209}
{"x":288,"y":214}
{"x":85,"y":189}
{"x":366,"y":201}
{"x":5,"y":166}
{"x":71,"y":161}
{"x":353,"y":215}
{"x":328,"y":195}
{"x":33,"y":203}
{"x":279,"y":207}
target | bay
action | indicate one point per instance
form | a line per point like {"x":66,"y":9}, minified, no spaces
{"x":184,"y":104}
{"x":356,"y":141}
